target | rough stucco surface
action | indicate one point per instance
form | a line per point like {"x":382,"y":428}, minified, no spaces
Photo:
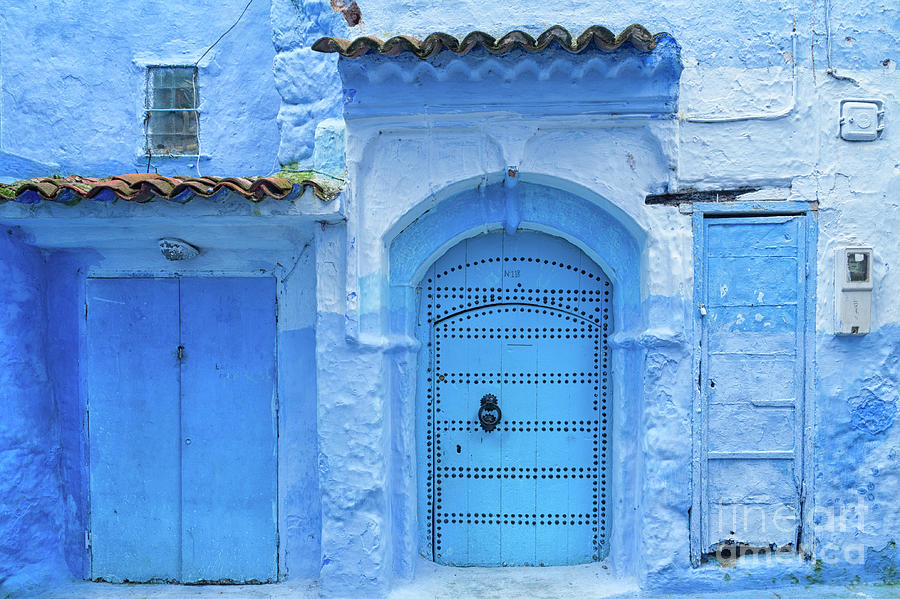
{"x":74,"y":86}
{"x":307,"y":81}
{"x":64,"y":308}
{"x":30,"y":502}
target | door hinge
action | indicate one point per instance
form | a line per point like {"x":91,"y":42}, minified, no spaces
{"x":807,"y":270}
{"x":87,"y":539}
{"x":180,"y":352}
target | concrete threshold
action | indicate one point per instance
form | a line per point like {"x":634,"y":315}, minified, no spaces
{"x":442,"y":582}
{"x":299,"y":589}
{"x":588,"y":581}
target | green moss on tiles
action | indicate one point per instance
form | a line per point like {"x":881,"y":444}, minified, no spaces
{"x":327,"y":187}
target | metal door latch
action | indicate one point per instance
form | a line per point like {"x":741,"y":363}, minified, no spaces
{"x":489,"y":413}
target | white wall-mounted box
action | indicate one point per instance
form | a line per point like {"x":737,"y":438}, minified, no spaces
{"x":853,"y":290}
{"x":861,"y":120}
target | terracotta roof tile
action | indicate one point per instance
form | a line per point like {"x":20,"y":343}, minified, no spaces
{"x":144,"y":187}
{"x":594,"y":36}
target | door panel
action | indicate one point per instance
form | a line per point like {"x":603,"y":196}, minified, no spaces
{"x":228,"y":429}
{"x":752,"y":282}
{"x":181,"y":385}
{"x":523,"y":318}
{"x":135,"y":455}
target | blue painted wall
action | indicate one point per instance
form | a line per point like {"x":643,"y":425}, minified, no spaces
{"x":83,"y":114}
{"x":73,"y":77}
{"x":31,"y":502}
{"x":63,"y":272}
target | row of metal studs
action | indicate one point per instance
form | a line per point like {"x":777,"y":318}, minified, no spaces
{"x":478,"y":381}
{"x":476,"y":428}
{"x":529,"y":295}
{"x":585,"y":520}
{"x":522,"y":422}
{"x":549,"y":312}
{"x":491,"y":260}
{"x":518,"y":468}
{"x":438,"y":289}
{"x":522,"y":374}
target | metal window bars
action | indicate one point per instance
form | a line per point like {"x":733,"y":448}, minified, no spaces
{"x":171,"y":112}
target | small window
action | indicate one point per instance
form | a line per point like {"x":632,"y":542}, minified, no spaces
{"x":172,"y":116}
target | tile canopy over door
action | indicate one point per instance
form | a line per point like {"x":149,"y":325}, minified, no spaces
{"x":181,"y":391}
{"x":516,"y":329}
{"x":753,"y":313}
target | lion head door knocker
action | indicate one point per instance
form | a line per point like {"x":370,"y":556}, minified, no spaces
{"x":489,"y":413}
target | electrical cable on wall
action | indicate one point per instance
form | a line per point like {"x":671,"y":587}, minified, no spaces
{"x":199,"y":150}
{"x":832,"y":72}
{"x":233,"y":25}
{"x":762,"y":116}
{"x":197,"y":62}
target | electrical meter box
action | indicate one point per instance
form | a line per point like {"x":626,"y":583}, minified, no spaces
{"x":861,"y":120}
{"x":853,"y":290}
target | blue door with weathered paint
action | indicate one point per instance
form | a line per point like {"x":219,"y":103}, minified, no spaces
{"x":753,"y":311}
{"x":514,"y":417}
{"x":228,"y":426}
{"x":134,"y":419}
{"x":181,"y":404}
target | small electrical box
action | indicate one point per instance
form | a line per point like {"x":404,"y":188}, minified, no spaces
{"x":861,"y":120}
{"x":853,"y":290}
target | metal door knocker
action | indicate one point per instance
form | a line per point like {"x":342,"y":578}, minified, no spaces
{"x":489,"y":413}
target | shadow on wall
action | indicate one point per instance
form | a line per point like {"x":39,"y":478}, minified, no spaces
{"x":31,"y":508}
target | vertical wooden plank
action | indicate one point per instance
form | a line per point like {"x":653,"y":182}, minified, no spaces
{"x":698,"y":458}
{"x":454,"y":439}
{"x":800,"y":358}
{"x":133,"y":412}
{"x":809,"y":345}
{"x":518,"y":439}
{"x":228,"y":429}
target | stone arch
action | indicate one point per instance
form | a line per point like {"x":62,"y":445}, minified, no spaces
{"x":519,"y":201}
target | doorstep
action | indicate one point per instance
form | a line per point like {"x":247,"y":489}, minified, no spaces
{"x":300,"y":589}
{"x":588,"y":581}
{"x":437,"y":582}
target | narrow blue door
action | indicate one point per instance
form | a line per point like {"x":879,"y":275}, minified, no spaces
{"x":133,"y":410}
{"x":751,"y":286}
{"x":181,"y":384}
{"x":517,"y":324}
{"x":228,"y":429}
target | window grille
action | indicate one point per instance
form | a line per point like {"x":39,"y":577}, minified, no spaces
{"x":172,"y":117}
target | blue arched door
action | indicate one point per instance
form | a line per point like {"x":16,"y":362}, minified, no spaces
{"x":514,"y":403}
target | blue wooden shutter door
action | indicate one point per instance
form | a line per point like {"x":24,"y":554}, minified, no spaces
{"x":135,"y":452}
{"x":524,"y":318}
{"x":752,"y":379}
{"x":227,"y":413}
{"x":182,"y":450}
